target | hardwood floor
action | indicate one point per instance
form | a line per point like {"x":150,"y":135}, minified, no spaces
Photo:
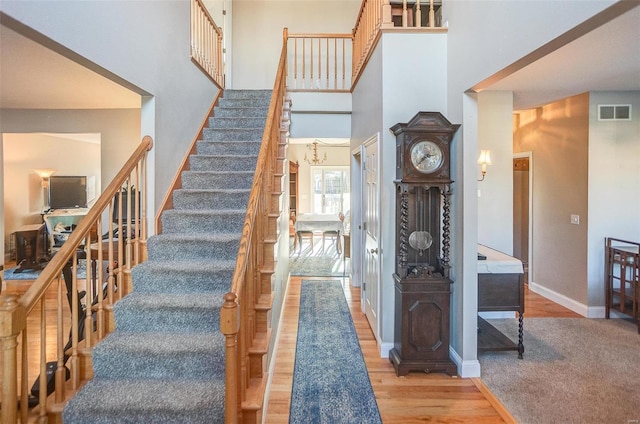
{"x":416,"y":398}
{"x":411,"y":399}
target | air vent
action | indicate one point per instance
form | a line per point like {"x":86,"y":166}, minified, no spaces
{"x":614,"y":112}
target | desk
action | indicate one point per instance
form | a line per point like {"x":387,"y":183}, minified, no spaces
{"x":500,"y":288}
{"x":320,"y":222}
{"x":67,"y":218}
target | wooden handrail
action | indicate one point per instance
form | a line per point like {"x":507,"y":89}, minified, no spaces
{"x":14,"y":310}
{"x":241,"y":321}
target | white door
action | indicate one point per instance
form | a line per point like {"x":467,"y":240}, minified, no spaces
{"x":371,"y":227}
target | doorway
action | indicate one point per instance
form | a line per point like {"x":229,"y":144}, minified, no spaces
{"x":522,"y":211}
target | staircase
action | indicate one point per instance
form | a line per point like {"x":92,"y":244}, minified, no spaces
{"x":165,"y":362}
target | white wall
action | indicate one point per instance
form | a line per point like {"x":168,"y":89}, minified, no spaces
{"x":146,"y":44}
{"x":257,"y":32}
{"x":614,"y":185}
{"x":410,"y":83}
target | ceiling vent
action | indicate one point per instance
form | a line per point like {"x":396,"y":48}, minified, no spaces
{"x":614,"y":112}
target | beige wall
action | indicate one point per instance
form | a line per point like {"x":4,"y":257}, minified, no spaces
{"x":23,"y":193}
{"x":558,"y":137}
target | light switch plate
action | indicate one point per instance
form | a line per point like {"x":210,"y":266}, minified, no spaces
{"x":575,"y":219}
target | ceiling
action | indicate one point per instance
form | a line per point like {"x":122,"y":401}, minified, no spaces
{"x":606,"y":58}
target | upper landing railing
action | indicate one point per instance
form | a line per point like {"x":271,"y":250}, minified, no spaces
{"x":334,"y":62}
{"x":206,"y":43}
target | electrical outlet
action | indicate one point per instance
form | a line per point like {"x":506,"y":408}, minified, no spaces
{"x":575,"y":219}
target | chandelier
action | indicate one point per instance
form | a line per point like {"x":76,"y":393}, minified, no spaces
{"x":315,"y":160}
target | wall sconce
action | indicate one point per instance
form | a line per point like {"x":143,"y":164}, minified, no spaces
{"x":45,"y":174}
{"x":315,"y":160}
{"x":484,"y":160}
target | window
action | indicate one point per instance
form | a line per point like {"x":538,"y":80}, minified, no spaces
{"x":330,"y":189}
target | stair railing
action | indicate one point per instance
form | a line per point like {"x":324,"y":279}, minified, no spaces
{"x":206,"y":43}
{"x":244,"y":314}
{"x":86,"y":320}
{"x":319,"y":62}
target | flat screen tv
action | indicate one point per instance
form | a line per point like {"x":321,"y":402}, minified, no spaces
{"x":67,"y":192}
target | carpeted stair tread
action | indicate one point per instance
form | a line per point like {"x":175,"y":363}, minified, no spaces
{"x":183,"y":276}
{"x":193,"y":246}
{"x":235,"y":111}
{"x":147,"y":401}
{"x":243,"y":102}
{"x":237,"y":122}
{"x":247,"y":94}
{"x":168,"y":312}
{"x":216,"y":179}
{"x":228,"y":147}
{"x":230,"y":198}
{"x":202,"y":220}
{"x":160,"y":355}
{"x":222,"y":163}
{"x":232,"y":134}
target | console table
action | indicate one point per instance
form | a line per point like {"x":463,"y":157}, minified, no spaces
{"x":500,"y":288}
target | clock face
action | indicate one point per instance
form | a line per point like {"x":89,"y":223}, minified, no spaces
{"x":426,"y":156}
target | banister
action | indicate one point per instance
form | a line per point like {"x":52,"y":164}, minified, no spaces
{"x":239,"y":314}
{"x":14,"y":310}
{"x":36,"y":291}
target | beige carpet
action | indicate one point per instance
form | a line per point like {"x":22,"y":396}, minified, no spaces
{"x":575,"y":370}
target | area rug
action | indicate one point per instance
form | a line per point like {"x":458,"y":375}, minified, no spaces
{"x":575,"y":370}
{"x":330,"y":380}
{"x":10,"y":274}
{"x":318,"y":263}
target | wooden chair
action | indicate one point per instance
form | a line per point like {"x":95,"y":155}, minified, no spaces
{"x":299,"y":236}
{"x":346,"y":253}
{"x":622,"y":260}
{"x":334,"y":236}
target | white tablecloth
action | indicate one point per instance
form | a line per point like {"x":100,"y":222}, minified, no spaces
{"x":318,"y":222}
{"x":498,"y":262}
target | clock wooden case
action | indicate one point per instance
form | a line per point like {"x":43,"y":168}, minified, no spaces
{"x":422,"y":283}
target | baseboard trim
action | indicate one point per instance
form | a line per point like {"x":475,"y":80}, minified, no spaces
{"x":497,"y":314}
{"x":575,"y":306}
{"x":385,"y":348}
{"x":466,"y":369}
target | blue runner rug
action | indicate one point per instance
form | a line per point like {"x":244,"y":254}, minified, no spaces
{"x":330,"y":379}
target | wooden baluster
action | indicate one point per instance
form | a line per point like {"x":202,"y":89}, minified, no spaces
{"x":404,"y":14}
{"x":418,"y":18}
{"x":327,"y":55}
{"x":60,"y":376}
{"x":432,"y":15}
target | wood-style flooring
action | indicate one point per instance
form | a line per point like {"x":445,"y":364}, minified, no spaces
{"x":416,"y":398}
{"x":411,"y":399}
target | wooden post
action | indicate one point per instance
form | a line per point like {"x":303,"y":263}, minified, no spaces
{"x":386,"y":14}
{"x":229,"y":326}
{"x":13,"y":319}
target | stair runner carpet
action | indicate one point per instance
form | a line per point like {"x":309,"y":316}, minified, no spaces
{"x":165,"y":362}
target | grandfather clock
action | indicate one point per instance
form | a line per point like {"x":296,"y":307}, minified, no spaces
{"x":422,"y":284}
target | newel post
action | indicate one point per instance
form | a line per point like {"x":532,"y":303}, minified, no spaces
{"x":386,"y":14}
{"x":13,"y":319}
{"x":230,"y":326}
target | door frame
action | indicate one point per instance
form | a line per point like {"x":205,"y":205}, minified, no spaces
{"x":363,"y":240}
{"x":529,"y":155}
